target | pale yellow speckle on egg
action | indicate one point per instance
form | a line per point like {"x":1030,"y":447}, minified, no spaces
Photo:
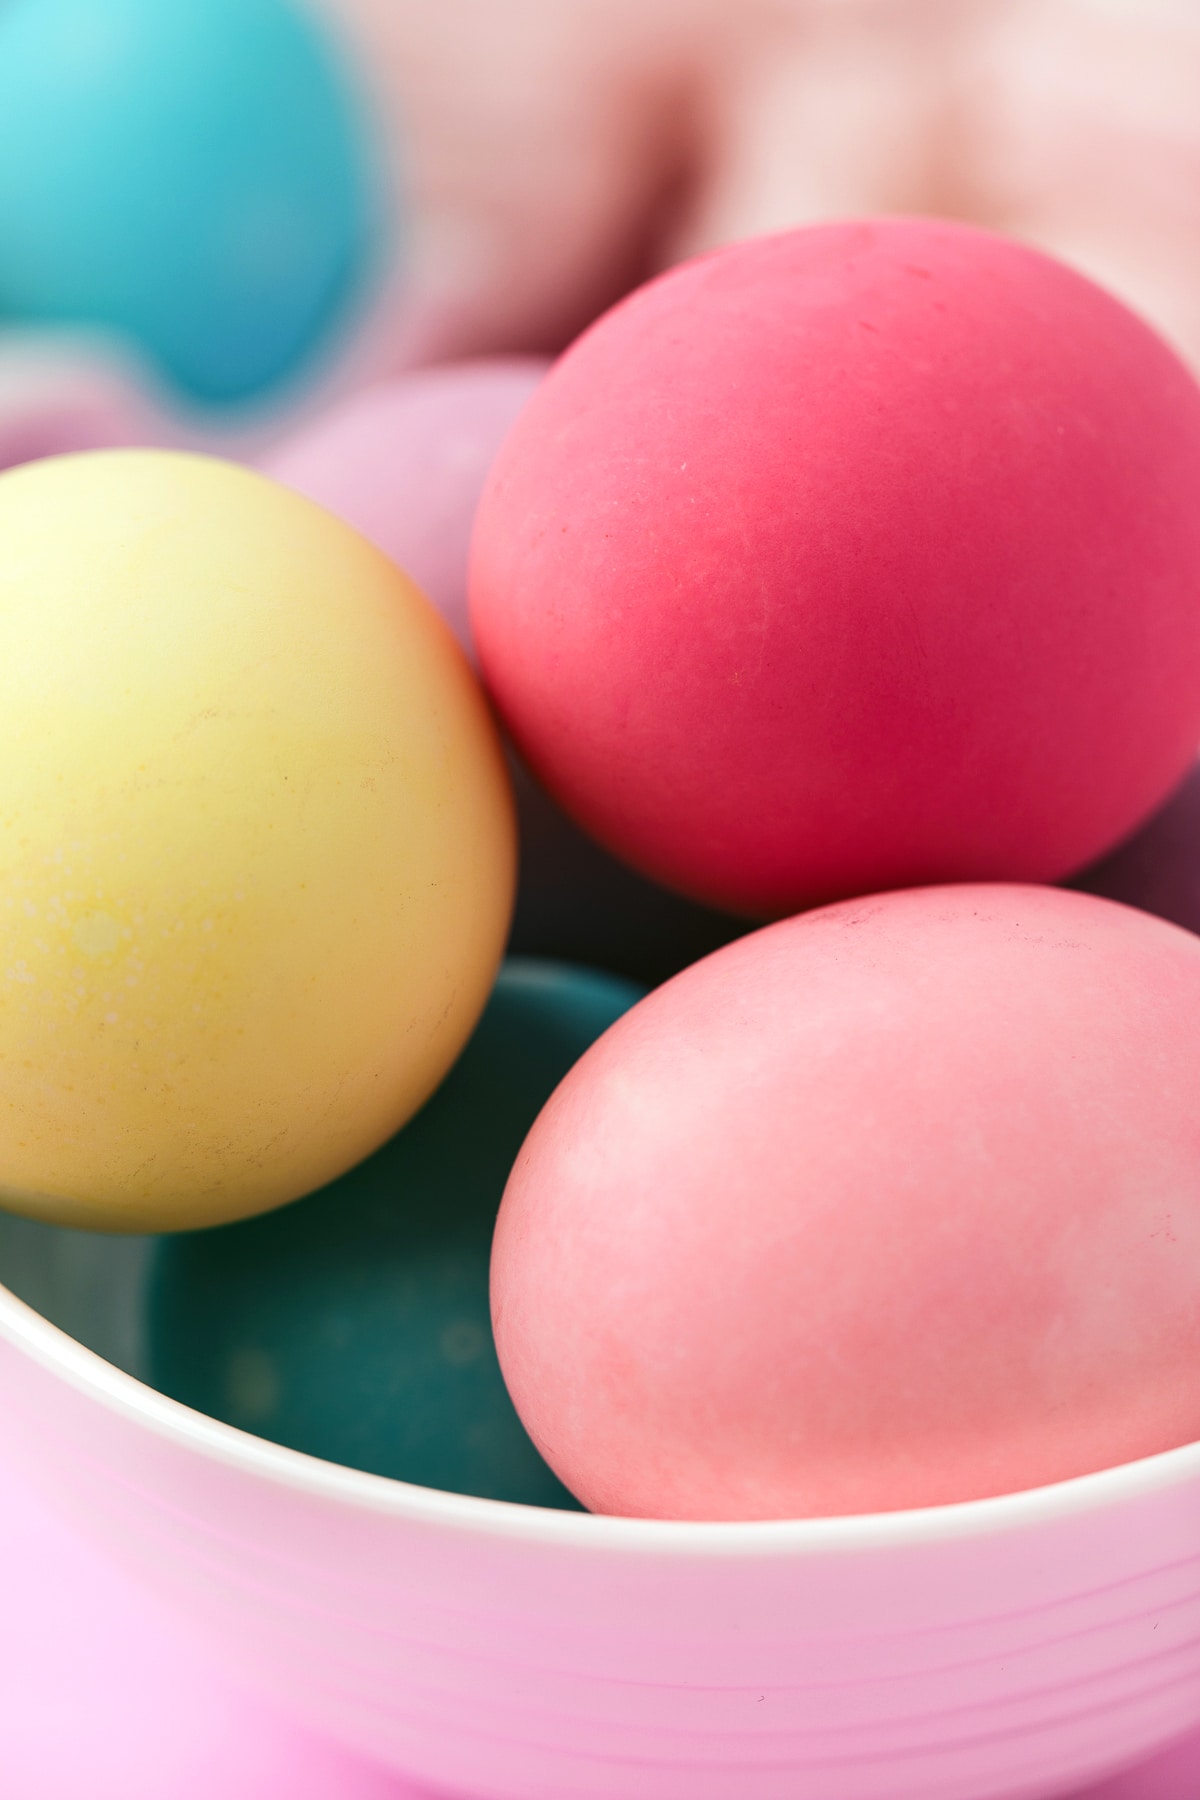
{"x":96,"y":934}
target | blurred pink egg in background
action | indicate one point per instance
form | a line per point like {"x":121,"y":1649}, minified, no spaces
{"x":57,"y":398}
{"x":405,"y":464}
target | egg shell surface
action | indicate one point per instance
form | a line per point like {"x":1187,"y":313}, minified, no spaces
{"x":256,"y":843}
{"x":405,"y":464}
{"x":59,"y":398}
{"x":199,"y":177}
{"x":858,"y":557}
{"x":354,"y":1325}
{"x":890,"y":1205}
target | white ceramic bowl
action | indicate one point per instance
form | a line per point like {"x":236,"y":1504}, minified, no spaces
{"x":1011,"y":1647}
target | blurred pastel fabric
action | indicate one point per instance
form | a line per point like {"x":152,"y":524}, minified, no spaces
{"x":555,"y":152}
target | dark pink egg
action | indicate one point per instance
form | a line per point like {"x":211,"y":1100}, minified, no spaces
{"x":893,"y":1204}
{"x":862,"y":556}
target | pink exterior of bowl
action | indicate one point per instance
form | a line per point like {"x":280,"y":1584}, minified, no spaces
{"x":1006,"y":1648}
{"x":103,"y":1698}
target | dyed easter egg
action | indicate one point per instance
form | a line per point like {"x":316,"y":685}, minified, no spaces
{"x":405,"y":464}
{"x":858,"y":557}
{"x":354,"y":1325}
{"x":893,"y":1204}
{"x":256,"y":843}
{"x":197,"y":177}
{"x":57,"y":399}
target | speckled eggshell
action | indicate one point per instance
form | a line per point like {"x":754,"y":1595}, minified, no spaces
{"x":890,"y":1205}
{"x":862,"y":556}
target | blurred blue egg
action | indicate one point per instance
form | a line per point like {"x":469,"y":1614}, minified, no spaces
{"x":355,"y":1325}
{"x":196,"y":175}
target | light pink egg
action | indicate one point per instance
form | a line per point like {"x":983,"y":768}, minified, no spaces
{"x":405,"y":464}
{"x":57,"y":398}
{"x":889,"y":1205}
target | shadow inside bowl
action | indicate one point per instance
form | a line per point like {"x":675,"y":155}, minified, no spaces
{"x":90,"y":1284}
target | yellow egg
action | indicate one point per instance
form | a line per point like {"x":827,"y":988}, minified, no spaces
{"x":256,"y":843}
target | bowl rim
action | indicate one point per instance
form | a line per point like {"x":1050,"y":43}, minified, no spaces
{"x":1004,"y":1515}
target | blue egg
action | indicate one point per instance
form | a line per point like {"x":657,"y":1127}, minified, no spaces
{"x":196,"y":175}
{"x":355,"y":1324}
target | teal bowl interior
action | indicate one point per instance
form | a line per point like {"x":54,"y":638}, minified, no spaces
{"x":90,"y":1285}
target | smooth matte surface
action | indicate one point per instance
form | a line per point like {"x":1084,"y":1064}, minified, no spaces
{"x":1015,"y":1648}
{"x":256,"y":843}
{"x":405,"y":463}
{"x":863,"y":556}
{"x":196,"y":177}
{"x":892,"y":1205}
{"x":59,"y":397}
{"x":104,"y":1697}
{"x":354,"y":1325}
{"x":1173,"y":1775}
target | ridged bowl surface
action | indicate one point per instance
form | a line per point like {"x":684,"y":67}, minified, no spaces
{"x":1008,"y":1648}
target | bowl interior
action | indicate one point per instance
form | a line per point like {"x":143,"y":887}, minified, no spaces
{"x":1012,"y":1619}
{"x":89,"y":1284}
{"x":94,"y":1287}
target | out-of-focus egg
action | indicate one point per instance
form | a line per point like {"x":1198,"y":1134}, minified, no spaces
{"x":354,"y":1325}
{"x":405,"y":464}
{"x":1158,"y":868}
{"x":57,"y":399}
{"x":890,"y":1205}
{"x":852,"y":558}
{"x":197,"y":176}
{"x":256,"y":843}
